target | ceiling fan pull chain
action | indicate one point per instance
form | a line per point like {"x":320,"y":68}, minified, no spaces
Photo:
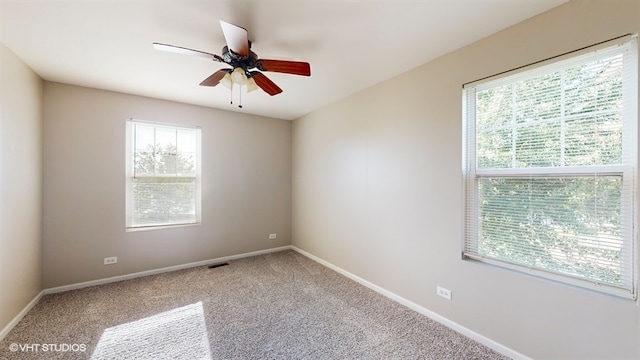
{"x":240,"y":96}
{"x":231,"y":94}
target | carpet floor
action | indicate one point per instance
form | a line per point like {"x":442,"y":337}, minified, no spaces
{"x":274,"y":306}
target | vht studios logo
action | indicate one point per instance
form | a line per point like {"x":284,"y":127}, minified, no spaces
{"x":48,"y":347}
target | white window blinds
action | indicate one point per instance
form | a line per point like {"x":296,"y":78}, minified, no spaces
{"x":163,"y":175}
{"x":550,"y":167}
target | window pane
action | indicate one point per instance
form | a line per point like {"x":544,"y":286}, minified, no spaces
{"x":186,"y":151}
{"x":495,"y":148}
{"x":144,"y":150}
{"x":594,"y":140}
{"x":166,"y":151}
{"x":537,"y":98}
{"x":566,"y":224}
{"x":494,"y":107}
{"x":165,"y":137}
{"x":595,"y":86}
{"x":163,"y":201}
{"x":538,"y":145}
{"x":144,"y":136}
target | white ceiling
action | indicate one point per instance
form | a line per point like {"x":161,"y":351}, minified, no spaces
{"x":351,"y":44}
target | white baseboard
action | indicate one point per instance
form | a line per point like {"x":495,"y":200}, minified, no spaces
{"x":413,"y":306}
{"x":85,"y":284}
{"x":20,"y":315}
{"x":160,"y":271}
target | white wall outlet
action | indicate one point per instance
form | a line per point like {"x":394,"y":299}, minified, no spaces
{"x":111,"y":260}
{"x":445,"y":293}
{"x":272,"y":236}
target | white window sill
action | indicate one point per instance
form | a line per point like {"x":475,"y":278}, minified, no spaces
{"x":159,"y":227}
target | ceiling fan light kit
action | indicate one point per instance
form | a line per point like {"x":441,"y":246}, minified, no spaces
{"x":246,"y":68}
{"x":238,"y":77}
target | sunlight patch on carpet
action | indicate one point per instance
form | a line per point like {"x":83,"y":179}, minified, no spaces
{"x":180,"y":333}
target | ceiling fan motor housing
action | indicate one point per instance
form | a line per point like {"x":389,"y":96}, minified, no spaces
{"x":235,"y":60}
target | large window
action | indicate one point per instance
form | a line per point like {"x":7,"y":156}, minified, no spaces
{"x":550,"y":167}
{"x":163,"y":175}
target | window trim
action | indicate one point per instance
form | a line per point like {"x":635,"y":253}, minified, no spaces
{"x":627,"y":172}
{"x":129,"y":174}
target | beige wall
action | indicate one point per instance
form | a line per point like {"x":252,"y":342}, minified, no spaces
{"x":246,"y":182}
{"x":20,"y":185}
{"x":377,"y":191}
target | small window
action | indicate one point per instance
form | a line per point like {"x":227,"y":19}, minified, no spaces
{"x":550,"y":166}
{"x":163,"y":175}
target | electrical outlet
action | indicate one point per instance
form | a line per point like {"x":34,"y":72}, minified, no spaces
{"x":272,"y":236}
{"x":111,"y":260}
{"x":445,"y":293}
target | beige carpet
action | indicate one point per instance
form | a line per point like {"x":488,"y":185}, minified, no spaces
{"x":275,"y":306}
{"x":175,"y":334}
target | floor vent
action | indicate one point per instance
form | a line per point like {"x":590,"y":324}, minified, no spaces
{"x":217,"y":265}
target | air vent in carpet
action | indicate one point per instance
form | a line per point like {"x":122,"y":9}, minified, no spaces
{"x":217,"y":265}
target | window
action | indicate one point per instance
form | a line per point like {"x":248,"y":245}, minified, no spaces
{"x":550,"y":167}
{"x":163,"y":175}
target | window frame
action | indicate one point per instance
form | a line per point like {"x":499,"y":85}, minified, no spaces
{"x":130,"y":175}
{"x":628,"y":172}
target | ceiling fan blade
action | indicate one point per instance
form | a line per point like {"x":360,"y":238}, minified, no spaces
{"x":215,"y":78}
{"x":265,"y":83}
{"x":236,"y":37}
{"x":185,"y":51}
{"x":285,"y":66}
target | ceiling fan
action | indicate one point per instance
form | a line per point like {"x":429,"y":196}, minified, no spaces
{"x":245,"y":65}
